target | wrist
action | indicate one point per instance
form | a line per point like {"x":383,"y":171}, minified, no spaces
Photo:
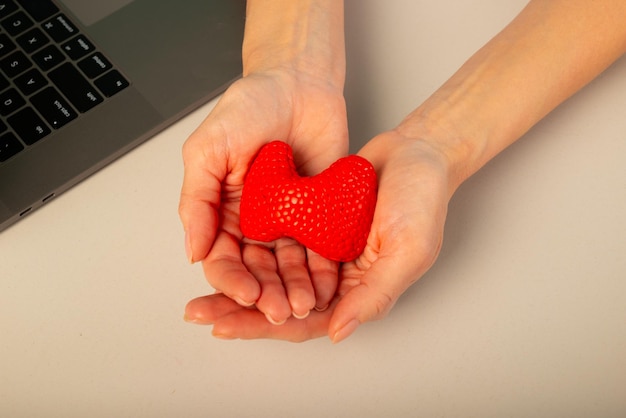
{"x":303,"y":37}
{"x":460,"y":147}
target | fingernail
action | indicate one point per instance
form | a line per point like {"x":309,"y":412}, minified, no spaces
{"x":243,"y":302}
{"x":295,"y":315}
{"x":273,"y":321}
{"x":345,"y":331}
{"x":223,"y":336}
{"x":191,"y":320}
{"x":321,"y":309}
{"x":188,"y":250}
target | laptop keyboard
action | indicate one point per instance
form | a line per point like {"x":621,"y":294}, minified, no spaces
{"x":50,"y":73}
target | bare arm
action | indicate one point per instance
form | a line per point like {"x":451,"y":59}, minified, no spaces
{"x":300,"y":44}
{"x":304,"y":35}
{"x":547,"y":53}
{"x":292,"y":89}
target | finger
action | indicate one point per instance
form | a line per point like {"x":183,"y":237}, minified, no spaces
{"x":273,"y":302}
{"x":225,"y":271}
{"x":200,"y":196}
{"x":206,"y":310}
{"x":324,"y":277}
{"x":231,"y":321}
{"x":378,"y":289}
{"x":292,"y":266}
{"x":251,"y":324}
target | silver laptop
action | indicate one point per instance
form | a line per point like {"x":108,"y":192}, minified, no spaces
{"x":84,"y":81}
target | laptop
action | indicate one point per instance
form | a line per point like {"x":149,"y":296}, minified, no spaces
{"x":82,"y":82}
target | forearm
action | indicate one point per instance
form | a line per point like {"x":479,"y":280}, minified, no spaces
{"x":551,"y":50}
{"x":304,"y":35}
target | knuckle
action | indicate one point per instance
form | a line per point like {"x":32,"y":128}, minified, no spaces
{"x":382,"y":305}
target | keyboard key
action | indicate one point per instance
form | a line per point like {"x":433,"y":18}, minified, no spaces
{"x":60,"y":28}
{"x":10,"y":101}
{"x":15,"y":64}
{"x":32,"y":40}
{"x":17,"y":23}
{"x":28,"y":125}
{"x":6,"y":45}
{"x":49,"y":57}
{"x":4,"y":83}
{"x":31,"y":81}
{"x":6,"y":8}
{"x":50,"y":73}
{"x":77,"y":47}
{"x":39,"y":9}
{"x":9,"y":146}
{"x":94,"y":65}
{"x":53,"y":107}
{"x":111,"y":83}
{"x":75,"y":87}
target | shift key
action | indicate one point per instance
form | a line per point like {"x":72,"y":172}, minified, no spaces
{"x":75,"y":87}
{"x":53,"y":107}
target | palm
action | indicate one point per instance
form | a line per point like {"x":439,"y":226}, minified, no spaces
{"x":280,"y":277}
{"x":403,"y":243}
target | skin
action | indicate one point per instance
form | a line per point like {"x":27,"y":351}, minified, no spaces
{"x":292,"y":89}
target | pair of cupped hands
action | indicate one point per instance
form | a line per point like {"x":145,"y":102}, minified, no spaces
{"x":281,"y":289}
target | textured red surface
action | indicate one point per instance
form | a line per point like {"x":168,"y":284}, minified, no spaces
{"x":330,"y":213}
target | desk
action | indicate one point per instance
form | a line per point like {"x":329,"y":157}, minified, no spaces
{"x":522,"y":315}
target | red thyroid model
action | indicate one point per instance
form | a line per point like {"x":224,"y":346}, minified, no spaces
{"x":330,"y":213}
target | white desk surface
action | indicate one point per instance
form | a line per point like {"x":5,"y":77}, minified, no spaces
{"x":524,"y":313}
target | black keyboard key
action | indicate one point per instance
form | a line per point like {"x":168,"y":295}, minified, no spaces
{"x":15,"y":64}
{"x":31,"y":81}
{"x":39,"y":9}
{"x":49,"y":57}
{"x":60,"y":28}
{"x":111,"y":83}
{"x":75,"y":87}
{"x":95,"y":65}
{"x":6,"y":45}
{"x":9,"y":146}
{"x":32,"y":40}
{"x":3,"y":126}
{"x":53,"y":107}
{"x":6,"y":8}
{"x":78,"y":47}
{"x":17,"y":23}
{"x":10,"y":101}
{"x":28,"y":125}
{"x":4,"y":83}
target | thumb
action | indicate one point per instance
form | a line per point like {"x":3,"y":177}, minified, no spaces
{"x":200,"y":198}
{"x":373,"y":295}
